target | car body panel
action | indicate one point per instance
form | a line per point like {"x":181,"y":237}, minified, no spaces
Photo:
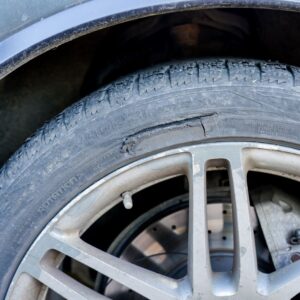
{"x":72,"y":20}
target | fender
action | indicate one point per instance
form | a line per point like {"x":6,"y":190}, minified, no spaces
{"x":75,"y":21}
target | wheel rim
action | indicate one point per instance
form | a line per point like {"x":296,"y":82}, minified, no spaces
{"x":62,"y":234}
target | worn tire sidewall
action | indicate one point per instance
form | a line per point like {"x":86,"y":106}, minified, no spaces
{"x":79,"y":150}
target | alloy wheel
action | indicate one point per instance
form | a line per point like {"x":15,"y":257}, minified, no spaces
{"x":40,"y":268}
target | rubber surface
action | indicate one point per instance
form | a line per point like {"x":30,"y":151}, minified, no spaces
{"x":156,"y":109}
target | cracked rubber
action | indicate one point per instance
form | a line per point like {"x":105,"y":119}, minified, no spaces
{"x":153,"y":110}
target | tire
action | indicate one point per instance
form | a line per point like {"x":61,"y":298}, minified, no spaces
{"x":159,"y":108}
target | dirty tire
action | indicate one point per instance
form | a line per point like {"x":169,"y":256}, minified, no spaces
{"x":146,"y":112}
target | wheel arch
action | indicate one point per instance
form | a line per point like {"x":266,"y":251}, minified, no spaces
{"x":75,"y":21}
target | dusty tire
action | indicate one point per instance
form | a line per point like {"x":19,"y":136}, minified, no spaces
{"x":159,"y":108}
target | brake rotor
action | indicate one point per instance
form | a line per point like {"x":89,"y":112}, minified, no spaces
{"x":158,"y":241}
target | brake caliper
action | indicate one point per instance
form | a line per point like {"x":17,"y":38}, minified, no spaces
{"x":279,"y":217}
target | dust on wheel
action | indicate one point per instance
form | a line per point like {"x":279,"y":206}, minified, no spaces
{"x":177,"y":182}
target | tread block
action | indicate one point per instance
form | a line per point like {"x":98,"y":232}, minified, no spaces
{"x":214,"y":71}
{"x":183,"y":74}
{"x":277,"y":74}
{"x":244,"y":71}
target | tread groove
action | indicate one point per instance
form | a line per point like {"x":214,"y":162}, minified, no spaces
{"x":124,"y":91}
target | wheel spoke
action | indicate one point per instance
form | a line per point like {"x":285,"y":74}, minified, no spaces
{"x":284,"y":283}
{"x":147,"y":283}
{"x":64,"y":285}
{"x":199,"y":269}
{"x":58,"y":281}
{"x":245,"y":265}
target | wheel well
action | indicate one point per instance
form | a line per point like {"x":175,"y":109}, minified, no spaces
{"x":42,"y":88}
